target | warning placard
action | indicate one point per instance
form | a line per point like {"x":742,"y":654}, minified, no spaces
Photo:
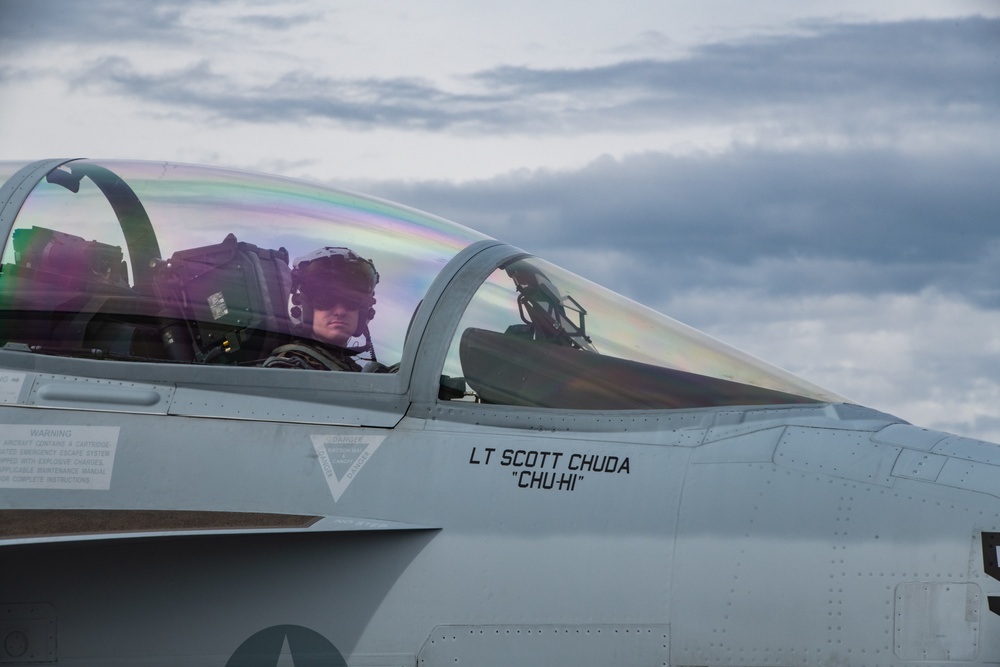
{"x":57,"y":457}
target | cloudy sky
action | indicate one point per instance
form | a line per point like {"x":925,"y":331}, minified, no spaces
{"x":817,"y":183}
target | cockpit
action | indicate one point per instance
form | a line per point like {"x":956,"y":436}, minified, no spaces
{"x":177,"y":265}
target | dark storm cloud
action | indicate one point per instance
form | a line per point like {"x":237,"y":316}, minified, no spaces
{"x":862,"y":222}
{"x":847,"y":78}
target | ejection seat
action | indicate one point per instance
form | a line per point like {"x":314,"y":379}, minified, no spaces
{"x":224,"y":303}
{"x":59,"y":294}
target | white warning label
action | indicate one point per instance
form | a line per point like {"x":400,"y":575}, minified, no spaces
{"x":342,"y":457}
{"x":217,"y":303}
{"x":10,"y":386}
{"x":57,"y":457}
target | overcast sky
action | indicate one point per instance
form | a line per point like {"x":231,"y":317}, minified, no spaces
{"x":817,"y":183}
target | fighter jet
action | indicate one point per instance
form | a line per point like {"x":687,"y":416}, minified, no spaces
{"x":478,"y":458}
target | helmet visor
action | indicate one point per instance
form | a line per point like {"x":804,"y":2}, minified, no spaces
{"x":330,"y":298}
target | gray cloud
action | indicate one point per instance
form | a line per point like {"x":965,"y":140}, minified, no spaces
{"x":843,"y":78}
{"x":198,"y":89}
{"x":939,"y":61}
{"x":42,"y":23}
{"x":785,"y":223}
{"x":273,"y":22}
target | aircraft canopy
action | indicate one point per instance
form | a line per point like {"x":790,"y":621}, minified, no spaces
{"x":177,"y":264}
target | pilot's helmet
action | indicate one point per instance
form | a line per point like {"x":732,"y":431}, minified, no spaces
{"x":329,"y":276}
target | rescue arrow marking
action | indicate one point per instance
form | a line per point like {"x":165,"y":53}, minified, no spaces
{"x":342,"y":456}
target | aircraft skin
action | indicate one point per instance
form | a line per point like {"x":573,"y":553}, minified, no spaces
{"x":160,"y":512}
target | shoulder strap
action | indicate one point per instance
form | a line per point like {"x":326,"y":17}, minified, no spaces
{"x":305,"y":356}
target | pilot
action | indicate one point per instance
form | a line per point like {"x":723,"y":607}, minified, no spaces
{"x":333,"y":298}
